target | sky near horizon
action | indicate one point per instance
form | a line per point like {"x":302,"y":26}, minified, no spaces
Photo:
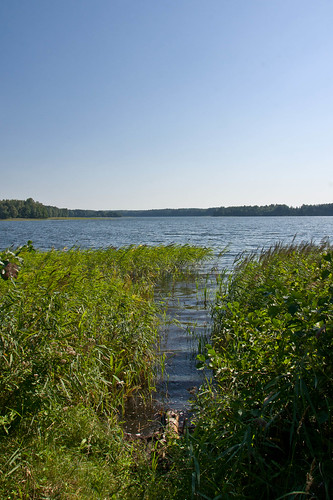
{"x":140,"y":104}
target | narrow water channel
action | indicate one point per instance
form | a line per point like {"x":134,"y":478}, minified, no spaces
{"x":187,"y":323}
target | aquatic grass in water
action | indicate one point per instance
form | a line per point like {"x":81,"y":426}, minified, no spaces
{"x":78,"y":336}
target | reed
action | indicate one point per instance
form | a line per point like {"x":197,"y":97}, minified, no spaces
{"x":78,"y":335}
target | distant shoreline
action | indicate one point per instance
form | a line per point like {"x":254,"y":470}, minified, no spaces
{"x":23,"y":219}
{"x":33,"y":210}
{"x":26,"y":219}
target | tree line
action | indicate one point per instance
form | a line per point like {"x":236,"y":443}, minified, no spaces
{"x":237,"y":211}
{"x":30,"y":209}
{"x":168,"y":212}
{"x":274,"y":210}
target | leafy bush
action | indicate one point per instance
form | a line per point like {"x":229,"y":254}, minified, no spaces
{"x":264,"y":428}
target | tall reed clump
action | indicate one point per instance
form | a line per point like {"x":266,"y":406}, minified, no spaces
{"x":78,"y":334}
{"x":264,"y":428}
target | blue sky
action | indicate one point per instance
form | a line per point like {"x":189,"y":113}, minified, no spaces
{"x":138,"y":104}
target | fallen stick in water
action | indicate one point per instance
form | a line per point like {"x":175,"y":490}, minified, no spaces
{"x":172,"y":424}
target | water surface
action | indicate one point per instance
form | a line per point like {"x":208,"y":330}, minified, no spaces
{"x":238,"y":232}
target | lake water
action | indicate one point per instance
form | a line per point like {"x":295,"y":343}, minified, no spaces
{"x":237,"y":233}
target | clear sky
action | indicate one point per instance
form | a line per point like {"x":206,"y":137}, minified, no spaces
{"x":138,"y":104}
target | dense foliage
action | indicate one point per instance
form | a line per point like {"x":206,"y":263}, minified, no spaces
{"x":30,"y":209}
{"x":23,"y":209}
{"x":274,"y":210}
{"x":78,"y":334}
{"x":92,"y":213}
{"x":264,"y":428}
{"x":237,"y":211}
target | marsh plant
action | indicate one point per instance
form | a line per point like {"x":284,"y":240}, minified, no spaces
{"x":264,"y":428}
{"x":78,"y":335}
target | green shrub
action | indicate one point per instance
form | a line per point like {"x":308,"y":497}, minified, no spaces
{"x":264,"y":428}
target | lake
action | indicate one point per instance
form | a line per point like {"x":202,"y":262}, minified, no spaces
{"x":237,"y":233}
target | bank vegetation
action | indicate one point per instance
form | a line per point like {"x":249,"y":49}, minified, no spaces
{"x":78,"y":335}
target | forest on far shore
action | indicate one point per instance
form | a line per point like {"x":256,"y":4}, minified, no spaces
{"x":31,"y":209}
{"x":238,"y":211}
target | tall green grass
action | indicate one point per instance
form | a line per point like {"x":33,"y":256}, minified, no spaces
{"x":264,"y":428}
{"x":78,"y":335}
